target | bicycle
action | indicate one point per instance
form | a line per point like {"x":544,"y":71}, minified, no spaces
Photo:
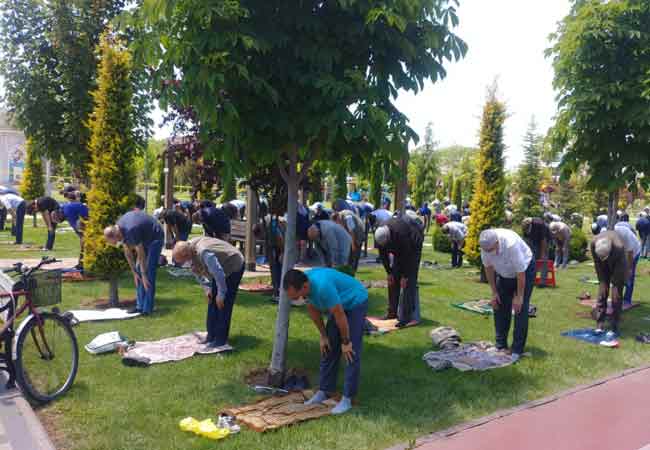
{"x":45,"y":359}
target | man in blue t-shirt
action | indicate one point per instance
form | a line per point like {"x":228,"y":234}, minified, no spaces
{"x":73,"y":212}
{"x":345,"y":300}
{"x":142,"y":235}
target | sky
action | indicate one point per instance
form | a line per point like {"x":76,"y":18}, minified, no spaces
{"x":506,"y":39}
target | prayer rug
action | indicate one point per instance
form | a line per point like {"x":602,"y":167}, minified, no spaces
{"x":471,"y":356}
{"x":75,"y":276}
{"x":177,"y":348}
{"x":257,"y":288}
{"x":477,"y":306}
{"x":592,"y":302}
{"x":593,"y":337}
{"x":277,"y":412}
{"x":484,"y":307}
{"x":89,"y":315}
{"x":386,"y":326}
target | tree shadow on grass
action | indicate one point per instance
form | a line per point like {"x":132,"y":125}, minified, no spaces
{"x":397,"y":387}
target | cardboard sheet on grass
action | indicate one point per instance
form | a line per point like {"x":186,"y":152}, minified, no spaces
{"x":91,"y":315}
{"x":592,"y":336}
{"x":471,"y":356}
{"x":277,"y":412}
{"x":177,"y":348}
{"x":386,"y":326}
{"x":375,"y":284}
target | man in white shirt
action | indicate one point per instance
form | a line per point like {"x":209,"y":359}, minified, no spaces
{"x":632,"y":252}
{"x":16,"y":206}
{"x":456,"y":232}
{"x":510,"y":271}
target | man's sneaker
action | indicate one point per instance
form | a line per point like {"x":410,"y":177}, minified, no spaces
{"x":389,"y":317}
{"x":134,"y":311}
{"x":515,"y":357}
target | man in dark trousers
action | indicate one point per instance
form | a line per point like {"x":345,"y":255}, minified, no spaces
{"x":140,"y":235}
{"x":215,"y":221}
{"x":400,"y":249}
{"x":643,"y":227}
{"x":510,"y":271}
{"x":273,"y":235}
{"x":611,"y":264}
{"x":73,"y":212}
{"x":357,"y":231}
{"x":456,"y":232}
{"x":345,"y":301}
{"x":16,"y":205}
{"x":179,"y":224}
{"x":46,"y":206}
{"x":219,"y":267}
{"x":537,"y":235}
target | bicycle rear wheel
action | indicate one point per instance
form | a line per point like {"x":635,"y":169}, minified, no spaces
{"x":47,"y":358}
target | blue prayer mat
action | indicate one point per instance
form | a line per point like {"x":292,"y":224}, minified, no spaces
{"x":591,"y":336}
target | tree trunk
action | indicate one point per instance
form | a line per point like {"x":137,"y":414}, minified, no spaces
{"x":278,"y":365}
{"x":169,"y":192}
{"x":113,"y":294}
{"x":401,"y":187}
{"x":251,"y":220}
{"x":612,"y":206}
{"x":34,"y":217}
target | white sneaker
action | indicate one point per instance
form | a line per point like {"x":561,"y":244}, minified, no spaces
{"x":515,"y":357}
{"x":342,"y":406}
{"x":319,"y":397}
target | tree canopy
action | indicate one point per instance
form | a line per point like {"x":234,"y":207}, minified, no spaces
{"x":601,"y":57}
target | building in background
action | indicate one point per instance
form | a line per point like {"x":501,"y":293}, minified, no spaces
{"x":12,"y":152}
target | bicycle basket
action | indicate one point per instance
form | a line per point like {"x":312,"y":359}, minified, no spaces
{"x":45,"y":288}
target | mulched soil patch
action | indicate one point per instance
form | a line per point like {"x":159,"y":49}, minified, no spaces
{"x":257,"y":288}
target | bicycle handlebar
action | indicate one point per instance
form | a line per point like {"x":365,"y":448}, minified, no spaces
{"x":20,"y":268}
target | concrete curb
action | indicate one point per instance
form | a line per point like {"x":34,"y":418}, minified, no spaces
{"x":20,"y":428}
{"x":439,"y":435}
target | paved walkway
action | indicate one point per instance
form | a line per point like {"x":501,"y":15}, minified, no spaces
{"x":20,"y":429}
{"x":613,"y":414}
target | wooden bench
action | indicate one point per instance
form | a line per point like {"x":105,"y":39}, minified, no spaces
{"x":238,"y":234}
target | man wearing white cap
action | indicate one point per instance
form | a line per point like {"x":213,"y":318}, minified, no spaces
{"x":510,"y":270}
{"x":611,"y":266}
{"x":561,"y":233}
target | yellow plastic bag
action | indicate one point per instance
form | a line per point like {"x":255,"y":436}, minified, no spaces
{"x":189,"y":424}
{"x":205,"y":428}
{"x":208,"y":429}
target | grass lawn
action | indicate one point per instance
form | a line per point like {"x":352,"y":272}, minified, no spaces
{"x":114,"y":407}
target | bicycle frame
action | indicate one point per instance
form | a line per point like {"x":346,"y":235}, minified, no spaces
{"x":27,"y":304}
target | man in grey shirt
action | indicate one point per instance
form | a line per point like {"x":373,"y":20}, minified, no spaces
{"x":333,"y":242}
{"x":561,"y":233}
{"x":219,"y":268}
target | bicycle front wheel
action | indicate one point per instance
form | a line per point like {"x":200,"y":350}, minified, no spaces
{"x":47,"y":358}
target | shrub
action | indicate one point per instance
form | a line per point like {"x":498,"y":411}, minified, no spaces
{"x":33,"y":183}
{"x":578,"y":245}
{"x":112,"y":148}
{"x":488,"y":201}
{"x":440,"y":241}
